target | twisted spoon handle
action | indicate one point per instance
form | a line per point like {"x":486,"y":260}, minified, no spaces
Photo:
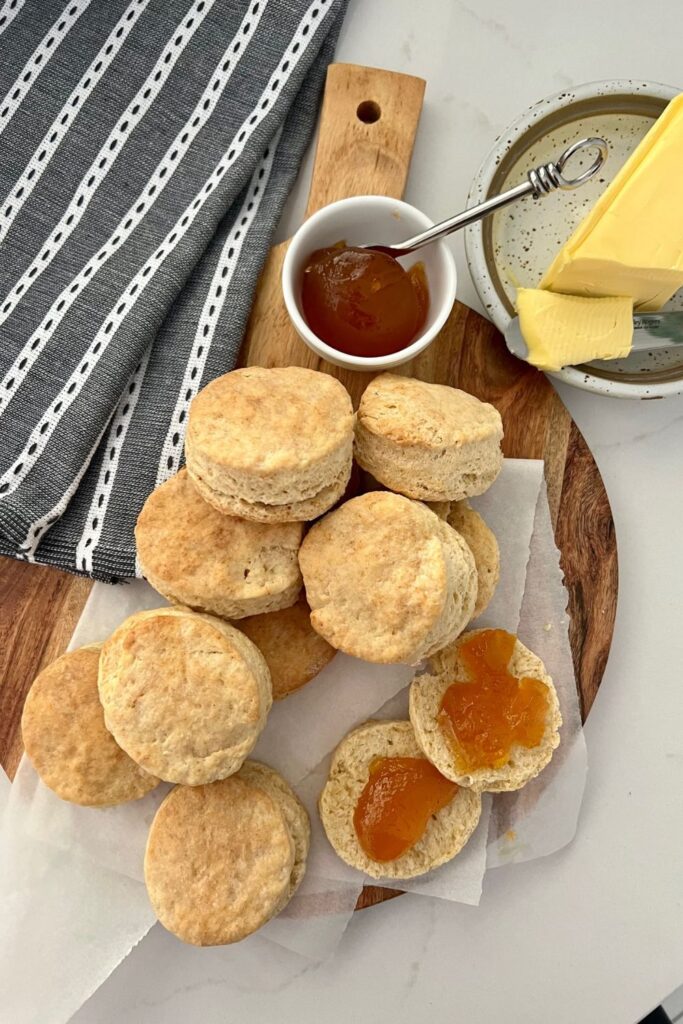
{"x":540,"y":182}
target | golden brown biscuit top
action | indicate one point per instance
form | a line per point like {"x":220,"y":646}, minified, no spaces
{"x":410,"y":411}
{"x":177,"y":692}
{"x":293,"y":650}
{"x":218,"y":862}
{"x":66,"y":739}
{"x":375,"y":576}
{"x":267,"y":420}
{"x":184,"y":542}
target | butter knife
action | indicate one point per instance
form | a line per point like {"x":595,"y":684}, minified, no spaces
{"x":651,"y":331}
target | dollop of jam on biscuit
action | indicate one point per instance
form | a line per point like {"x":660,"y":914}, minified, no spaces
{"x":399,"y":798}
{"x":485,"y":715}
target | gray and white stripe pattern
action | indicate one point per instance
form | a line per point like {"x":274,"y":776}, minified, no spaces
{"x":8,"y":13}
{"x":144,"y":171}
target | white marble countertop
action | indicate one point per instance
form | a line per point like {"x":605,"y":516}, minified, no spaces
{"x":594,"y":933}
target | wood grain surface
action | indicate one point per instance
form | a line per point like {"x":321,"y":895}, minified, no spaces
{"x":40,"y":609}
{"x":40,"y":606}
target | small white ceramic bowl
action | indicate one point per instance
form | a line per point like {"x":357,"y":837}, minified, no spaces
{"x":358,"y":221}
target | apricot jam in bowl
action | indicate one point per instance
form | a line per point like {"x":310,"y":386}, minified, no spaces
{"x":355,"y":308}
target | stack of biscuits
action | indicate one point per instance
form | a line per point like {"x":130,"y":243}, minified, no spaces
{"x":271,"y":445}
{"x":259,"y":603}
{"x":181,"y":697}
{"x":389,"y":576}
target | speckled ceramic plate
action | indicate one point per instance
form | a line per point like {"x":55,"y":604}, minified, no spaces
{"x":514,"y":247}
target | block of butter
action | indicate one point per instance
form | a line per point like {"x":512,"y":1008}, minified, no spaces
{"x":563,"y":330}
{"x":631,"y":242}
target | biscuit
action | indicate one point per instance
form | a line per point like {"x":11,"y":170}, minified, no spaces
{"x":273,"y":445}
{"x":294,"y":652}
{"x":484,"y":547}
{"x":426,"y":694}
{"x":427,"y":441}
{"x":446,"y":833}
{"x":295,"y":815}
{"x":186,"y":695}
{"x":462,"y":587}
{"x":219,"y":861}
{"x":198,"y":557}
{"x":386,"y":579}
{"x":65,"y":738}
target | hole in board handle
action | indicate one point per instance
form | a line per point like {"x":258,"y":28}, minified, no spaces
{"x":368,"y":112}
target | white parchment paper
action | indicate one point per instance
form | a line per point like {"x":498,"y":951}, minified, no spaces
{"x":67,"y":922}
{"x":509,"y":508}
{"x":542,"y":817}
{"x":64,"y":866}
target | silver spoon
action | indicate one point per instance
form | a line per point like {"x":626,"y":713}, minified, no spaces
{"x":540,"y":182}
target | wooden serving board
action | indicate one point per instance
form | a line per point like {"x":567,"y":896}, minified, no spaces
{"x":354,"y":157}
{"x":367,"y":130}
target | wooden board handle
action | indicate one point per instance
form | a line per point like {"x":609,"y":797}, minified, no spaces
{"x":367,"y":129}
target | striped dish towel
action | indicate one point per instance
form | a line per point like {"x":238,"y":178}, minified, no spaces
{"x":147,"y":149}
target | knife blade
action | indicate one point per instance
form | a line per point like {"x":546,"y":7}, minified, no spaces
{"x":650,"y":331}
